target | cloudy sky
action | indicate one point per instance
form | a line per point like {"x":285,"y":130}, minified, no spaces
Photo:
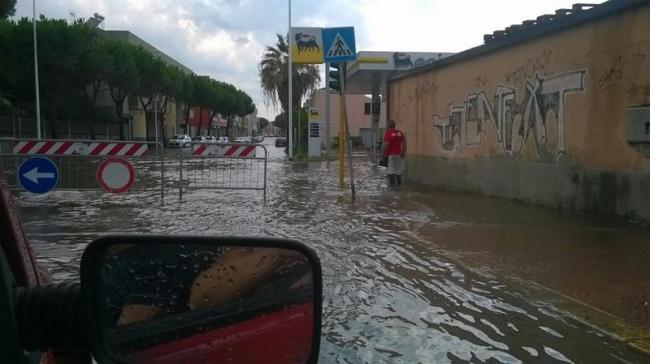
{"x":225,"y":38}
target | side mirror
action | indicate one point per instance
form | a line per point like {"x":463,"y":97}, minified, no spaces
{"x":164,"y":299}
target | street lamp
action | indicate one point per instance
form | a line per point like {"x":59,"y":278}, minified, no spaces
{"x":290,"y":87}
{"x":38,"y":99}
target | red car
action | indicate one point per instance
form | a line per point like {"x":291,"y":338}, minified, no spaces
{"x":274,"y":316}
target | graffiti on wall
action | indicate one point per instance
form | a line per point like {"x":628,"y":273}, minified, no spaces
{"x":516,"y":121}
{"x":624,"y":73}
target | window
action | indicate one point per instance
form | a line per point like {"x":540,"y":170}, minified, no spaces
{"x":366,"y":108}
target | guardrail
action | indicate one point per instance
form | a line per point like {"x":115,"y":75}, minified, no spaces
{"x":229,"y":166}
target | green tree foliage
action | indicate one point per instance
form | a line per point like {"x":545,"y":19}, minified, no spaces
{"x":17,"y":65}
{"x":77,"y":64}
{"x":300,"y":123}
{"x":7,"y":8}
{"x":262,"y":123}
{"x":274,"y":76}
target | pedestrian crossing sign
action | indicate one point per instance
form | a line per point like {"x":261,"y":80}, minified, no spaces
{"x":338,"y":44}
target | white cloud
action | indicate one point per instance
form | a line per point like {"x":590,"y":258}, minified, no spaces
{"x":225,"y":38}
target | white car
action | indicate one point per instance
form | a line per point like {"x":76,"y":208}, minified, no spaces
{"x":180,"y":141}
{"x":222,"y":140}
{"x":210,"y":139}
{"x":244,"y":140}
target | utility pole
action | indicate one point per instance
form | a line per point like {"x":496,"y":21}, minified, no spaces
{"x":155,"y":117}
{"x":336,"y":81}
{"x":347,"y":131}
{"x":290,"y":88}
{"x":38,"y":98}
{"x":327,"y":111}
{"x":375,"y":110}
{"x":341,"y":138}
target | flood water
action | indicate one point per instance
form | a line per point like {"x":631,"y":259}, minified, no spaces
{"x":391,"y":294}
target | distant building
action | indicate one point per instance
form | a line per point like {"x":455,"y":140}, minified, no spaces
{"x":137,"y":125}
{"x":359,"y":115}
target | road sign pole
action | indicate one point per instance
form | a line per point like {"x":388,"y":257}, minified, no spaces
{"x":290,"y":111}
{"x":341,"y":140}
{"x":347,"y":130}
{"x":327,"y":111}
{"x":155,"y":119}
{"x":38,"y":97}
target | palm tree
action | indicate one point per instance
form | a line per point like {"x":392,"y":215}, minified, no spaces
{"x":274,"y":76}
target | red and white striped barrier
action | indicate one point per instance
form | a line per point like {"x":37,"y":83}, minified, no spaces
{"x":66,"y":147}
{"x":232,"y":151}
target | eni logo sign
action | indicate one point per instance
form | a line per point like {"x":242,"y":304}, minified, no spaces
{"x":318,"y":45}
{"x":307,"y":45}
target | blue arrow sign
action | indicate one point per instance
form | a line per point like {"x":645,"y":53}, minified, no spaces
{"x":38,"y":175}
{"x":338,"y":44}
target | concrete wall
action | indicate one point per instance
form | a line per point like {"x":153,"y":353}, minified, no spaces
{"x":543,"y":121}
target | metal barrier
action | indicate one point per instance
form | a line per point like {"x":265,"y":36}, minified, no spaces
{"x":224,"y":166}
{"x":78,"y":160}
{"x":210,"y":166}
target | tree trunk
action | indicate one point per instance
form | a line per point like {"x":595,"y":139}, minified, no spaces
{"x":212,"y":115}
{"x":118,"y":98}
{"x":187,"y":117}
{"x":118,"y":110}
{"x":53,"y":133}
{"x":91,"y":130}
{"x":89,"y":103}
{"x":163,"y":111}
{"x":198,"y":129}
{"x":145,"y":110}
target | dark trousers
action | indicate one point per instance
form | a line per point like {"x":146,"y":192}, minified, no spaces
{"x":395,"y":179}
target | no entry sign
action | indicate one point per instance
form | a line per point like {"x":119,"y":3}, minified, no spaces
{"x":115,"y":175}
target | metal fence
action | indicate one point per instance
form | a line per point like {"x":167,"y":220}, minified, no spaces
{"x":224,"y":167}
{"x":209,"y":166}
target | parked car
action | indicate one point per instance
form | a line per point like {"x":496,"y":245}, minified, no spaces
{"x":223,"y":140}
{"x":199,"y":139}
{"x":180,"y":141}
{"x":210,"y":139}
{"x":281,"y":142}
{"x":244,"y":140}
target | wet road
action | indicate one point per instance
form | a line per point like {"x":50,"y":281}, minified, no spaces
{"x":390,"y":294}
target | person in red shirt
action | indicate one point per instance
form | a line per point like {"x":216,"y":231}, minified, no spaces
{"x":394,"y":148}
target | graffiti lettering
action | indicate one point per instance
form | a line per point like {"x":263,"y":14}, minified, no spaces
{"x":514,"y":123}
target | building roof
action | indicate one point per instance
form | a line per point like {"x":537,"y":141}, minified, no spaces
{"x":129,"y":37}
{"x":532,"y":29}
{"x":370,"y":72}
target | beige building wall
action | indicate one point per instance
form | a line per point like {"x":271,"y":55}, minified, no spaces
{"x":559,"y":101}
{"x":584,"y":80}
{"x":139,"y":127}
{"x":170,"y":119}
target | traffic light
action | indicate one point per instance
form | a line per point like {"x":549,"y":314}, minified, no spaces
{"x":336,"y":78}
